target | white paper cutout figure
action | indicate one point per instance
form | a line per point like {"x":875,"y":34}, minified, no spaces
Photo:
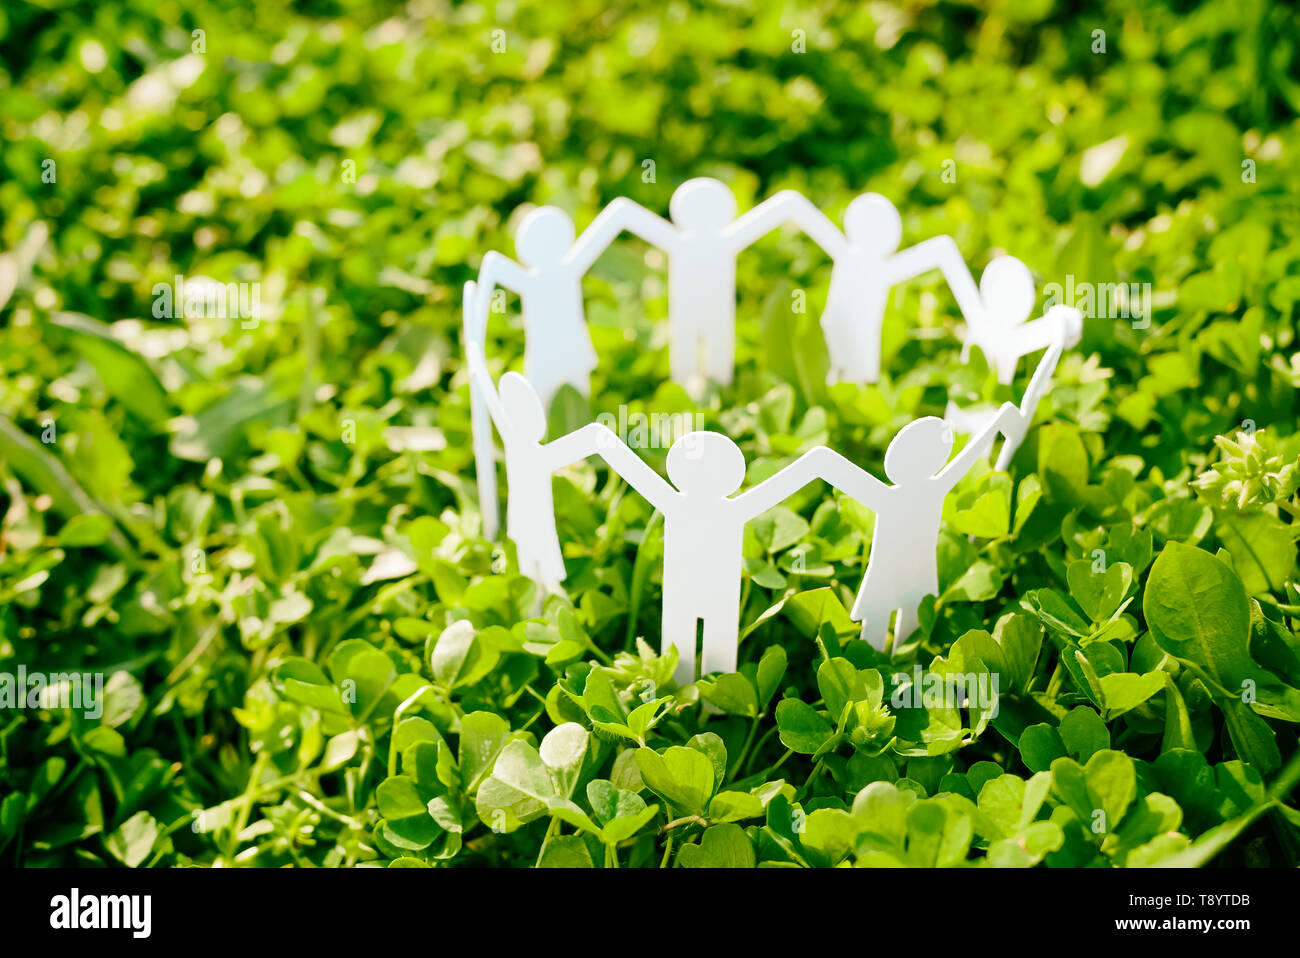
{"x":704,"y":528}
{"x":702,"y":242}
{"x":867,"y":264}
{"x":998,"y":324}
{"x":558,"y":347}
{"x":903,"y":567}
{"x":530,"y":509}
{"x":1058,"y":328}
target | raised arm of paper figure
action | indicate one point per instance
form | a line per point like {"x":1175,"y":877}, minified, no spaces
{"x":785,"y":206}
{"x":781,"y":485}
{"x":850,"y":478}
{"x":951,"y":474}
{"x":654,"y":487}
{"x":499,"y":270}
{"x":639,"y":221}
{"x":941,"y":253}
{"x":474,"y":315}
{"x":595,"y":239}
{"x":472,"y":325}
{"x":1060,"y":322}
{"x":579,"y":444}
{"x":1034,"y":392}
{"x":482,"y":380}
{"x":1041,"y":377}
{"x":482,"y":400}
{"x":819,"y":227}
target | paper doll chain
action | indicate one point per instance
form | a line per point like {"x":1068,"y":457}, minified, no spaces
{"x":702,"y":241}
{"x":706,"y":468}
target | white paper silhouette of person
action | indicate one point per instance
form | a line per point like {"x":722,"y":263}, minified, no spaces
{"x":867,"y":264}
{"x":702,"y":242}
{"x":530,"y":508}
{"x":998,"y":324}
{"x":557,"y":346}
{"x":704,"y":529}
{"x":903,"y":566}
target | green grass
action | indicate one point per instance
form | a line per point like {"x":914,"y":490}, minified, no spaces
{"x":222,"y":520}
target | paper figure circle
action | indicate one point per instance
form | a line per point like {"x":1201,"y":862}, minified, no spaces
{"x":706,"y":468}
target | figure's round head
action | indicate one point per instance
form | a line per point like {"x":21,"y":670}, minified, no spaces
{"x":872,"y":223}
{"x":703,"y":204}
{"x":544,"y":235}
{"x":918,"y":451}
{"x":523,"y":407}
{"x":707,"y":464}
{"x":1007,"y":289}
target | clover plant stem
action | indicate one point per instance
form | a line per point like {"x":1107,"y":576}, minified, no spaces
{"x":758,"y":749}
{"x":812,"y":777}
{"x":598,"y":652}
{"x":361,"y":776}
{"x":1286,"y":779}
{"x":324,"y":809}
{"x":536,"y":715}
{"x":744,"y":749}
{"x":685,"y":820}
{"x":244,"y":804}
{"x":552,"y":830}
{"x":1054,"y":683}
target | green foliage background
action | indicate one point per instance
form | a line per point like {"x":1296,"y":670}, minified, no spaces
{"x":266,"y":535}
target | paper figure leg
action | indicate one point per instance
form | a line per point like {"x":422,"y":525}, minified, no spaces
{"x":530,"y":568}
{"x":1006,"y":361}
{"x":875,"y":631}
{"x":905,"y":624}
{"x":721,"y":641}
{"x":870,"y":368}
{"x":720,"y":354}
{"x":547,"y":376}
{"x":684,"y":355}
{"x":853,"y":346}
{"x":550,"y":558}
{"x":679,"y":631}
